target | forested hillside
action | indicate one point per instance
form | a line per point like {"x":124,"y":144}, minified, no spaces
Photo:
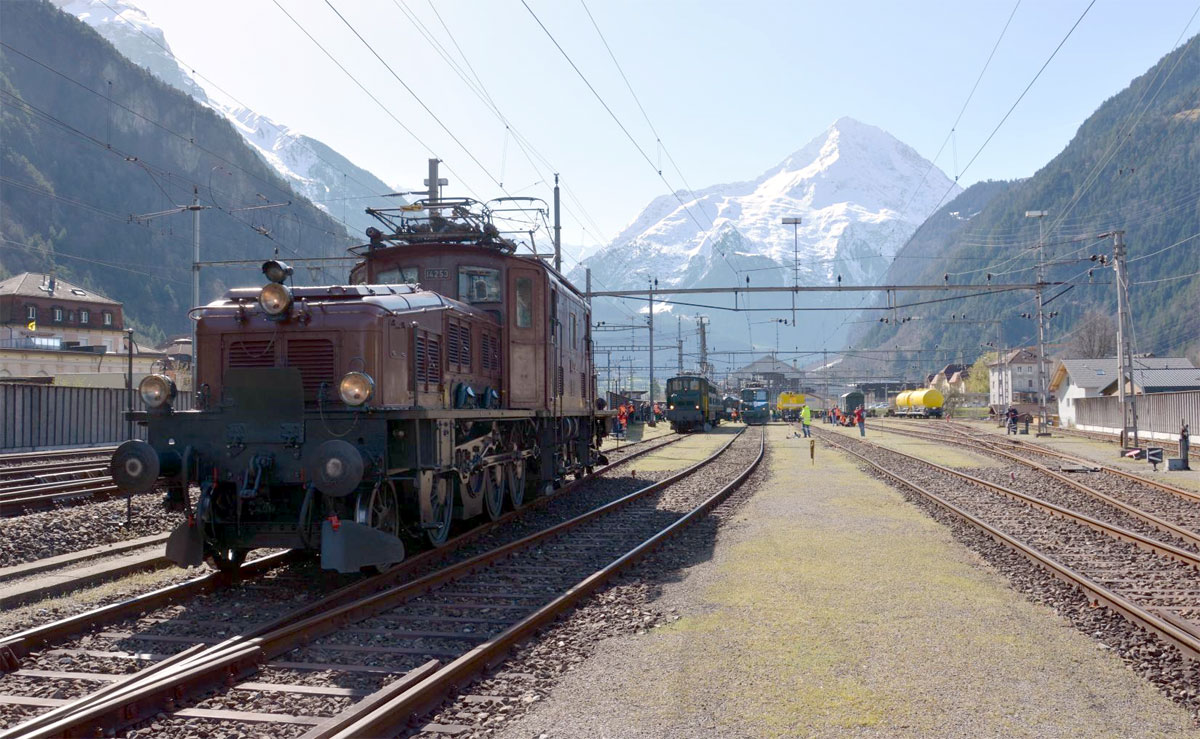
{"x":90,"y":139}
{"x":1133,"y":165}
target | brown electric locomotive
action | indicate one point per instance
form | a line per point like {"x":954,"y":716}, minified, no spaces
{"x":450,"y":379}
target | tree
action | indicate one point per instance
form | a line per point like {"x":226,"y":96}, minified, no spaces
{"x":1095,"y":337}
{"x":977,"y":376}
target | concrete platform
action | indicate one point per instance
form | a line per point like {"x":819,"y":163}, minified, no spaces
{"x":832,"y":607}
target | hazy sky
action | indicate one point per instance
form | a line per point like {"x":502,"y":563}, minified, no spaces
{"x":732,"y":88}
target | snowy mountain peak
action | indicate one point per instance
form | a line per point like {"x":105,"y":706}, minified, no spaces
{"x":860,"y":194}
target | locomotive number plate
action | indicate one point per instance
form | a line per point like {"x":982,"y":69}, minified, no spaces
{"x":437,"y":274}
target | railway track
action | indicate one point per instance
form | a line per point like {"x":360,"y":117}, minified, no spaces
{"x":1079,"y":467}
{"x":53,"y":456}
{"x":1172,"y":447}
{"x":40,"y":481}
{"x":21,"y":647}
{"x":1153,"y":584}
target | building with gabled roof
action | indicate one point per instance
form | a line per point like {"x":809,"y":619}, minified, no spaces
{"x":1073,"y":379}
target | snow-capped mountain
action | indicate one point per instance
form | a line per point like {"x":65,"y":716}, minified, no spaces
{"x":313,"y":169}
{"x":859,"y":192}
{"x":855,"y":187}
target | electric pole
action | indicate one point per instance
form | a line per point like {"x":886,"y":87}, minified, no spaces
{"x":558,"y":230}
{"x":653,"y":284}
{"x":1041,"y":326}
{"x":702,"y":322}
{"x":679,"y":339}
{"x":1127,"y":398}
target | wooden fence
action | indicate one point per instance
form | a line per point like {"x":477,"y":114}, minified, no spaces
{"x":36,"y":417}
{"x":1159,"y":414}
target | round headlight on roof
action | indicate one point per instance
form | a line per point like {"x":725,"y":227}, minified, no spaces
{"x":276,"y":271}
{"x":275,"y":299}
{"x":356,"y":388}
{"x":156,"y":390}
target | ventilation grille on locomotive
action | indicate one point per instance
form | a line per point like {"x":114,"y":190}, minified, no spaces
{"x":316,"y":362}
{"x":251,"y":354}
{"x":428,"y":360}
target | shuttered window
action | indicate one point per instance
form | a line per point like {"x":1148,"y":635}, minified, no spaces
{"x":458,"y":346}
{"x":428,"y":360}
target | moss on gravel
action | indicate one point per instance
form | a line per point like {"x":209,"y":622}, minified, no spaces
{"x":833,"y":607}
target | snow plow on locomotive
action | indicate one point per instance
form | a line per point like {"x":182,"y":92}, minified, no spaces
{"x":450,"y":379}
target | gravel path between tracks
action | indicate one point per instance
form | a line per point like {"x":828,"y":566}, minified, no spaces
{"x":625,"y":608}
{"x":837,"y":608}
{"x":77,"y":527}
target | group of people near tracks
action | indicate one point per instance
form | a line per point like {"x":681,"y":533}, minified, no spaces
{"x":857,"y":417}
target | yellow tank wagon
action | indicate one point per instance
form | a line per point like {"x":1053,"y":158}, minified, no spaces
{"x":923,"y":403}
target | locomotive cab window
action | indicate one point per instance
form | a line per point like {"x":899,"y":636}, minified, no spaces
{"x":524,"y":302}
{"x":478,"y":285}
{"x":398,"y":276}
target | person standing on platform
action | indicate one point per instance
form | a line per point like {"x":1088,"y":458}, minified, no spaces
{"x":806,"y":420}
{"x":1184,"y":443}
{"x":858,"y":418}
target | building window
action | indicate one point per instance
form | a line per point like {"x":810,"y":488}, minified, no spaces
{"x":84,"y":315}
{"x":58,"y":314}
{"x":107,"y":318}
{"x":31,"y":312}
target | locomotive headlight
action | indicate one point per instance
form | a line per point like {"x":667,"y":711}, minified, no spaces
{"x":356,"y":388}
{"x":156,"y":390}
{"x":275,"y":299}
{"x":276,"y":271}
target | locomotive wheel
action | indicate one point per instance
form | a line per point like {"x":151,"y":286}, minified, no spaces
{"x":515,"y":472}
{"x":226,"y":561}
{"x":380,"y":509}
{"x":443,"y":512}
{"x":494,"y":492}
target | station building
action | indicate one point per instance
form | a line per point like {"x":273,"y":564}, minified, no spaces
{"x":54,"y":332}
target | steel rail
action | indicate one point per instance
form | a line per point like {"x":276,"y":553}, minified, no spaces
{"x":1116,"y":532}
{"x":1185,"y":639}
{"x":149,"y":692}
{"x":392,"y":716}
{"x":22,"y":457}
{"x":1193,"y":451}
{"x":1039,"y":449}
{"x":1161,"y":524}
{"x":16,"y":647}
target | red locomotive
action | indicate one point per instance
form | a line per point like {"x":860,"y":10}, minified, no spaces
{"x":450,"y":379}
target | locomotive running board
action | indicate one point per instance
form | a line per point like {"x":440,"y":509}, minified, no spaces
{"x":352,"y":546}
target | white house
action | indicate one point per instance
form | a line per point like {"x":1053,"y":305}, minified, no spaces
{"x":1090,"y":378}
{"x":1013,"y":378}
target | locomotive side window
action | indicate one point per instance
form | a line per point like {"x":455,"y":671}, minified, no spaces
{"x":478,"y":285}
{"x":399,"y":276}
{"x":524,"y":302}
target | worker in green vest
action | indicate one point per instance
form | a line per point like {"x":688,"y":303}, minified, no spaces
{"x":806,"y":419}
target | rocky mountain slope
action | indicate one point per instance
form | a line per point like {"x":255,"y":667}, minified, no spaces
{"x":78,"y":161}
{"x":313,"y":169}
{"x":1133,"y":165}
